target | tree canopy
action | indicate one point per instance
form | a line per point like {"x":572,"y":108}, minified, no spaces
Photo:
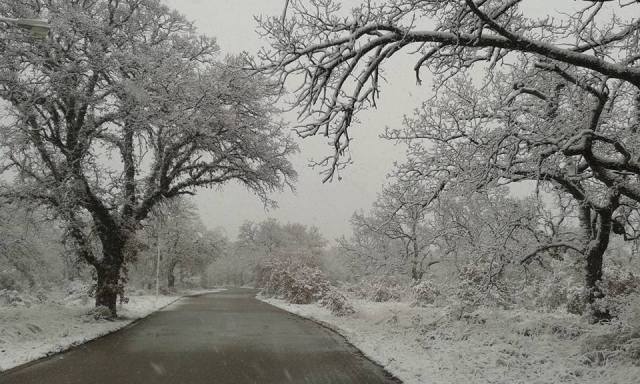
{"x":554,"y":100}
{"x":125,"y":104}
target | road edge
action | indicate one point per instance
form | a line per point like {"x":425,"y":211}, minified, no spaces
{"x":127,"y":324}
{"x":340,"y":332}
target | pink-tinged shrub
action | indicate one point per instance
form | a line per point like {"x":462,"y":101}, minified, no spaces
{"x":294,"y":282}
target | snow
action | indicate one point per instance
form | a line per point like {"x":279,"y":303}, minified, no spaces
{"x":425,"y":345}
{"x":32,"y":331}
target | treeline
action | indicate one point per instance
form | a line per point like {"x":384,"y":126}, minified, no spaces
{"x":172,"y":245}
{"x":465,"y":250}
{"x":488,"y":247}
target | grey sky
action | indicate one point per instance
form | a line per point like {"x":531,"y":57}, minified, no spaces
{"x":327,"y":206}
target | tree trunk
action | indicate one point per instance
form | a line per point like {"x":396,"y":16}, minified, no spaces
{"x":594,"y":262}
{"x":109,"y":269}
{"x":416,"y":268}
{"x":599,"y":232}
{"x":416,"y":273}
{"x":107,"y":288}
{"x":171,"y":277}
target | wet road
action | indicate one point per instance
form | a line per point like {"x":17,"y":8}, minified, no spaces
{"x":221,"y":338}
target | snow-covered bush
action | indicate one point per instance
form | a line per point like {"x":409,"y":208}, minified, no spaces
{"x":425,"y":292}
{"x":621,"y":338}
{"x":475,"y":287}
{"x":553,"y":297}
{"x":294,"y":282}
{"x":559,"y":284}
{"x":337,"y":303}
{"x":553,"y":291}
{"x":385,"y":290}
{"x":379,"y":289}
{"x":308,"y":284}
{"x":618,"y":281}
{"x":619,"y":286}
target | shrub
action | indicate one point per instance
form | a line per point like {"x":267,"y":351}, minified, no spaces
{"x":619,"y":287}
{"x":622,"y":339}
{"x":385,"y":290}
{"x":553,"y":293}
{"x":294,"y":282}
{"x":425,"y":293}
{"x":475,"y":288}
{"x":554,"y":287}
{"x":379,"y":289}
{"x":619,"y":282}
{"x":337,"y":303}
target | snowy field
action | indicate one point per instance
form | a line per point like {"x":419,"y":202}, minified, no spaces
{"x":31,"y":331}
{"x":423,"y":345}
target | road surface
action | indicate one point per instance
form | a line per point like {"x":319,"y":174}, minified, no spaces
{"x":221,"y":338}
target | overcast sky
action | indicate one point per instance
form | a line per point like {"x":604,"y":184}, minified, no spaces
{"x":328,"y":206}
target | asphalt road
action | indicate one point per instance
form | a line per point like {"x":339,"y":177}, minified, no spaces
{"x":222,"y":338}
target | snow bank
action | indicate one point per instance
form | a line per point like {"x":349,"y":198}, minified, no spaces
{"x":30,"y":332}
{"x":424,"y":345}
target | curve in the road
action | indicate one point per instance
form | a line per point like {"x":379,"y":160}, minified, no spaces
{"x":222,"y":338}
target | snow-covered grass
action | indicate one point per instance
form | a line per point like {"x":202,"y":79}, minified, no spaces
{"x":425,"y":345}
{"x":29,"y":332}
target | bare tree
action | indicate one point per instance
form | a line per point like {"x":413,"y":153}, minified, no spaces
{"x":559,"y":102}
{"x":369,"y":253}
{"x":400,"y":214}
{"x":124,"y":105}
{"x":186,"y":245}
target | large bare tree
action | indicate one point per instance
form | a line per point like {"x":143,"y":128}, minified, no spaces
{"x":124,"y":105}
{"x":552,"y":99}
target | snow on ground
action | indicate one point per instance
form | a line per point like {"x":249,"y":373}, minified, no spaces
{"x":424,"y":345}
{"x":29,"y":332}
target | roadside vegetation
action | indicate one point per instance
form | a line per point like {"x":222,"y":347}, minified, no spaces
{"x":464,"y":319}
